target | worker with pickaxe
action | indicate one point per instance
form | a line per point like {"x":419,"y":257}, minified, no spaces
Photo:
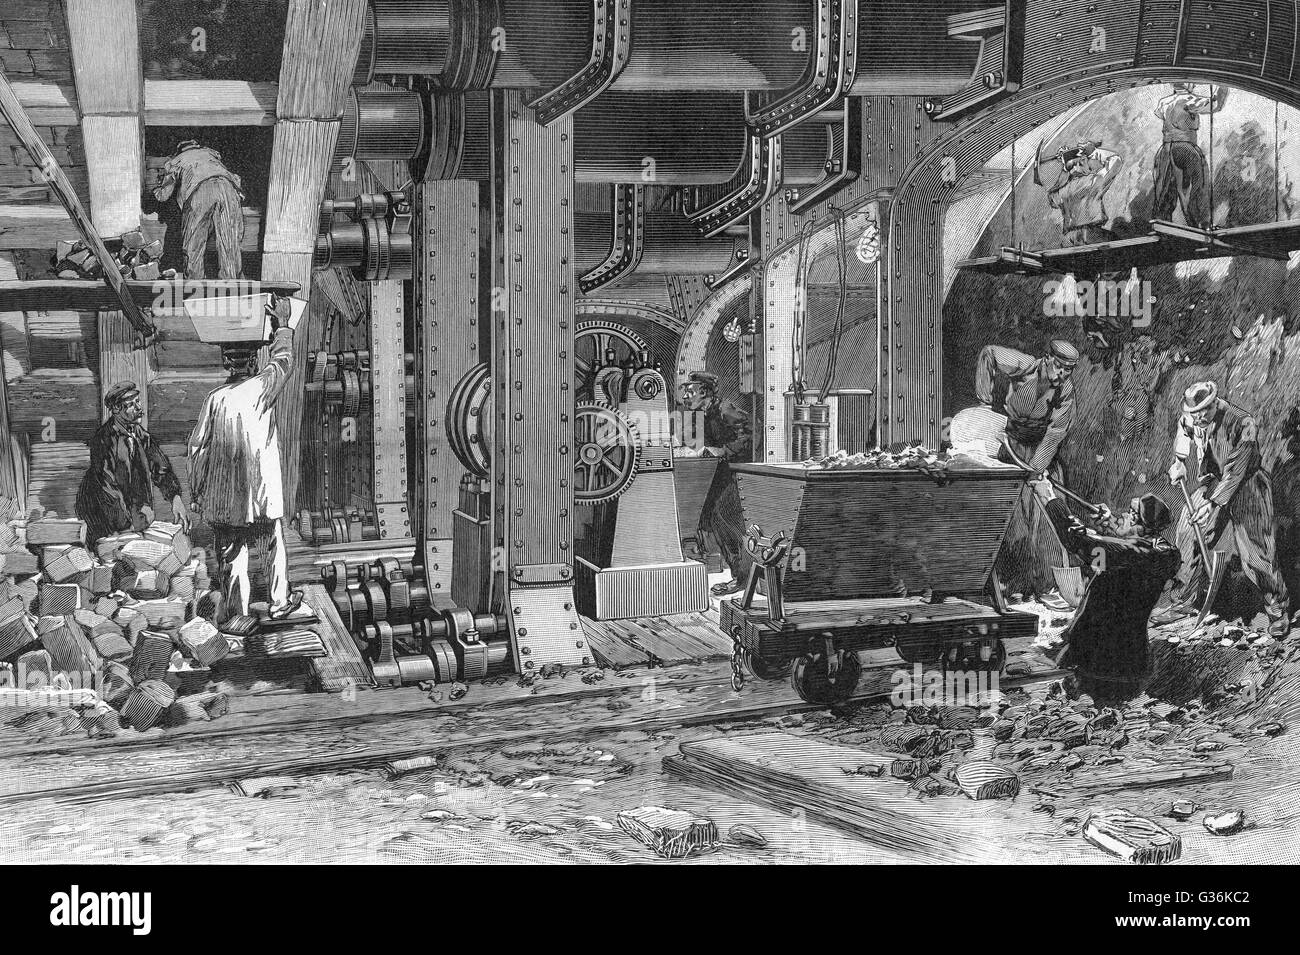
{"x":1127,"y":564}
{"x":1233,"y":490}
{"x":1079,"y":192}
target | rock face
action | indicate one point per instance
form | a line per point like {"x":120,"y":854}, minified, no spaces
{"x":1236,"y":320}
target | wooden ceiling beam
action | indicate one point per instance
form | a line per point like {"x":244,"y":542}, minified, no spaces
{"x":166,"y":103}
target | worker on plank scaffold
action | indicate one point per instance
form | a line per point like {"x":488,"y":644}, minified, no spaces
{"x":1037,"y":398}
{"x":1234,"y":492}
{"x":1182,"y":176}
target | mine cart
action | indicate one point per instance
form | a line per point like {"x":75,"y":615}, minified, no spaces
{"x":855,"y":559}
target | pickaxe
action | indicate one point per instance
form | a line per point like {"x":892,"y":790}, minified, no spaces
{"x":1213,"y":560}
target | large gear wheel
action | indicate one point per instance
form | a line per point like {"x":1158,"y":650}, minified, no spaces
{"x":608,"y":448}
{"x":591,"y":342}
{"x":467,"y":409}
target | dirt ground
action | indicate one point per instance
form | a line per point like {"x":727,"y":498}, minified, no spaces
{"x":556,"y":800}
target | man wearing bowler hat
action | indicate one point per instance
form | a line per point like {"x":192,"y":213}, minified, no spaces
{"x":126,"y":467}
{"x":1233,"y":499}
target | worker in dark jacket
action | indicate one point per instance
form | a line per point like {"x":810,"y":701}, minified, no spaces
{"x":211,"y":201}
{"x":126,"y":467}
{"x":1037,"y":397}
{"x":1129,"y":564}
{"x":1234,"y":493}
{"x":719,"y":428}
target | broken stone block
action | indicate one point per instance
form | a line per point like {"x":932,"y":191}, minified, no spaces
{"x":131,"y":621}
{"x":146,"y":704}
{"x":672,"y":834}
{"x":165,"y":614}
{"x":143,"y":583}
{"x":108,"y":548}
{"x":1181,"y":809}
{"x":19,"y":563}
{"x":151,"y":656}
{"x":198,"y":708}
{"x":984,"y":779}
{"x":1132,"y":838}
{"x":144,"y":553}
{"x":115,"y":683}
{"x":910,"y":768}
{"x":1002,"y":729}
{"x":205,"y":643}
{"x":58,"y":599}
{"x":98,"y":580}
{"x":68,"y":563}
{"x":743,"y":835}
{"x":70,"y":650}
{"x":55,"y":530}
{"x":112,"y":646}
{"x":16,"y":632}
{"x":1225,"y":823}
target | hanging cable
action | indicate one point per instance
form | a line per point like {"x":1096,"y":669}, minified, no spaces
{"x":1277,"y":169}
{"x":837,"y":331}
{"x":800,"y":338}
{"x":1214,"y":96}
{"x":1014,"y":243}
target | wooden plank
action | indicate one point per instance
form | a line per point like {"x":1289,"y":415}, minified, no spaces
{"x":119,"y":361}
{"x":659,"y":645}
{"x":803,"y":775}
{"x":166,"y":103}
{"x":343,"y":668}
{"x":34,"y":226}
{"x":1129,"y":776}
{"x":209,"y":103}
{"x":49,"y":104}
{"x":89,"y":295}
{"x":104,"y":37}
{"x":321,"y":44}
{"x":63,"y":191}
{"x":610,"y":649}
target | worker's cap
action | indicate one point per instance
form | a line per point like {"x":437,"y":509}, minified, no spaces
{"x":1200,"y":396}
{"x":704,"y":378}
{"x":1063,"y":352}
{"x":119,"y":393}
{"x":1153,"y":513}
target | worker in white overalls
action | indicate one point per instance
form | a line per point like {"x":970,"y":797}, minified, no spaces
{"x":235,"y":469}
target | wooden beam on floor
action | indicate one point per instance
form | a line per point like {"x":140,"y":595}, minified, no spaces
{"x":321,"y":44}
{"x":342,"y":669}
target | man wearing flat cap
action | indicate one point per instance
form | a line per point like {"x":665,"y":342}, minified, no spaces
{"x":1233,"y":497}
{"x":719,"y":428}
{"x":127,"y":466}
{"x":1037,"y":398}
{"x":1129,"y":563}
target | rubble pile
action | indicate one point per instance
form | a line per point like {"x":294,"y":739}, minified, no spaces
{"x":98,"y":641}
{"x":934,"y":464}
{"x":136,"y":257}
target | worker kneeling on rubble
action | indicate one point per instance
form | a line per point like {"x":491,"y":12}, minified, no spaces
{"x":235,"y":468}
{"x":1130,"y":564}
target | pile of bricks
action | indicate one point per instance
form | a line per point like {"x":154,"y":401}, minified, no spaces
{"x":112,"y":627}
{"x":136,"y":257}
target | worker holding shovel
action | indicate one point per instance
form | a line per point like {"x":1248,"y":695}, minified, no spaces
{"x":1233,"y":493}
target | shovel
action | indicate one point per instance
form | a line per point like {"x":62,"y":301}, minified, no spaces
{"x":1069,"y":579}
{"x":1215,"y":565}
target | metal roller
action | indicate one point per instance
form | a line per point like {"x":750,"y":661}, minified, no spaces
{"x":416,"y":668}
{"x":444,"y":658}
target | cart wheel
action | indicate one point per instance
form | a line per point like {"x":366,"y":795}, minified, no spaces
{"x":990,"y":655}
{"x":918,"y":651}
{"x":814,"y":685}
{"x":764,"y":669}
